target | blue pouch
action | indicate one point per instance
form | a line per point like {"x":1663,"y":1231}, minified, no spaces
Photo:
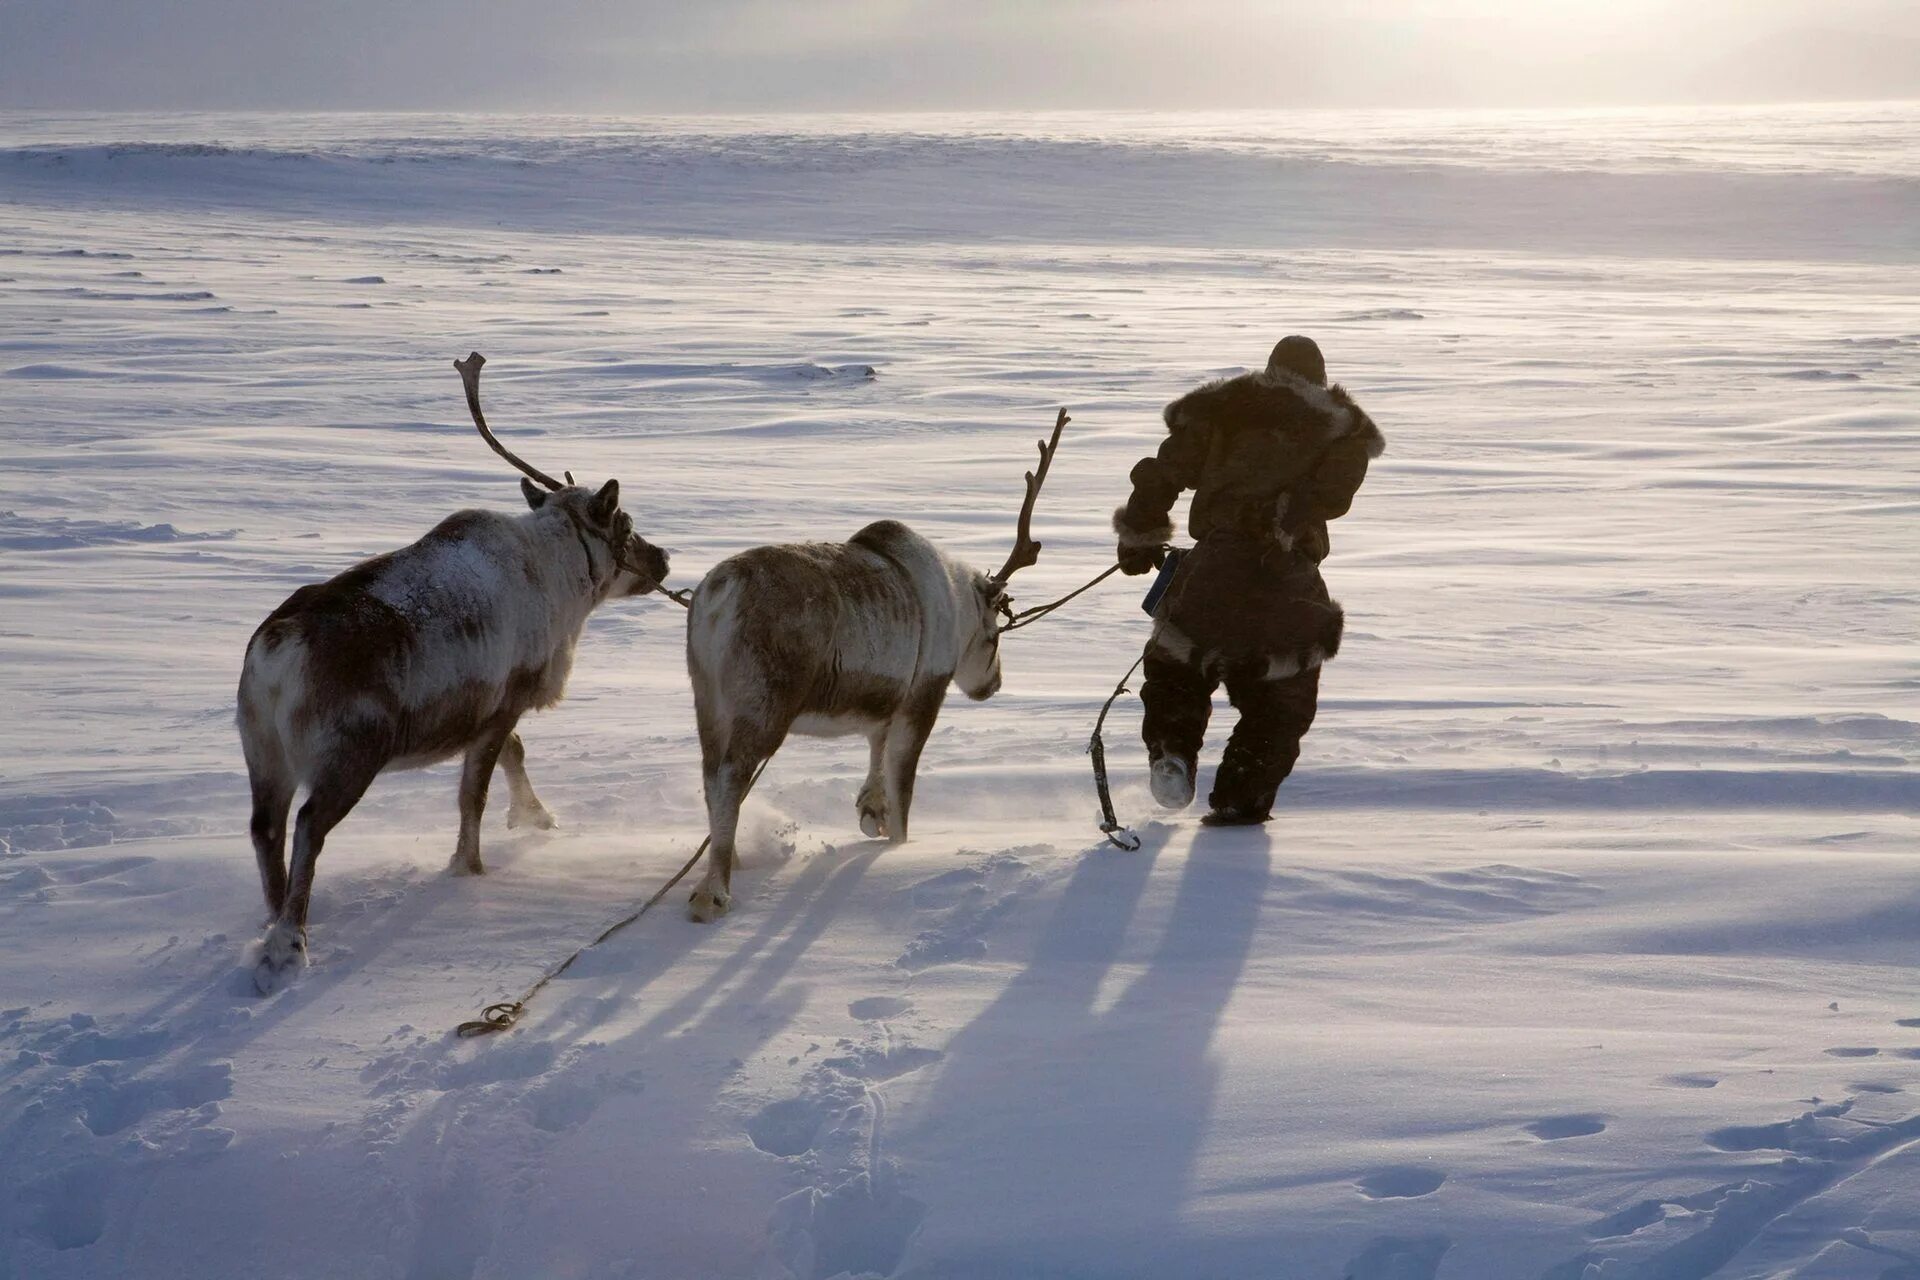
{"x":1163,"y":579}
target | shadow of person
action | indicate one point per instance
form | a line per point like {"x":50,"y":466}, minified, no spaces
{"x":1087,"y":1086}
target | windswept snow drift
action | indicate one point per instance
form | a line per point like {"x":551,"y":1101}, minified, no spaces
{"x":1582,"y":946}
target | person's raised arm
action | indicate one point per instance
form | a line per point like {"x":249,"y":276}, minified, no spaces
{"x":1145,"y":523}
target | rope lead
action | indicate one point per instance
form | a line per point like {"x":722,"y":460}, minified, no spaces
{"x":499,"y":1017}
{"x":502,"y":1016}
{"x":1118,"y":835}
{"x":1027,"y":617}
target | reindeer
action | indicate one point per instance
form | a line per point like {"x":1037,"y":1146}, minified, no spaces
{"x":834,"y":638}
{"x":419,"y":655}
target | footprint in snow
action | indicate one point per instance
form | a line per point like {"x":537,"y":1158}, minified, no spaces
{"x":861,"y":1227}
{"x":91,"y":1046}
{"x":787,"y":1127}
{"x":1403,"y":1182}
{"x":960,"y":908}
{"x":1637,"y":1217}
{"x":1399,"y":1258}
{"x":1853,"y":1051}
{"x":884,"y":1064}
{"x":1908,"y":1022}
{"x":108,"y":1106}
{"x":1554,"y":1128}
{"x":68,"y":1210}
{"x":1690,"y":1080}
{"x":874,"y":1008}
{"x":1634,"y":1218}
{"x":568,"y":1102}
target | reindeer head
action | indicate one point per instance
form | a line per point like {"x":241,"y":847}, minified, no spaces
{"x":636,"y":565}
{"x":978,"y":670}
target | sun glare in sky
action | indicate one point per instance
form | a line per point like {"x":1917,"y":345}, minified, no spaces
{"x":720,"y":55}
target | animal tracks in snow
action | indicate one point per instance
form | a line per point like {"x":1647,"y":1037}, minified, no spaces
{"x":869,"y":1063}
{"x":788,"y":1127}
{"x":1402,"y":1182}
{"x":110,"y":1103}
{"x":1554,"y":1128}
{"x":960,"y":906}
{"x":1694,"y":1234}
{"x":100,"y":1110}
{"x":875,"y":1007}
{"x":851,"y":1216}
{"x":33,"y":883}
{"x":552,"y":1087}
{"x":1399,"y":1258}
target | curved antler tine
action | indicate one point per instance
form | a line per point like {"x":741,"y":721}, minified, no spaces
{"x":470,"y":379}
{"x":1025,"y":550}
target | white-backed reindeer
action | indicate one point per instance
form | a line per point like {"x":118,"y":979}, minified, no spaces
{"x":835,"y":638}
{"x":419,"y":655}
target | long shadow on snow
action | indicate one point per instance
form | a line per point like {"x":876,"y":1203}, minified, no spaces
{"x":213,"y":1012}
{"x":463,"y":1203}
{"x":802,"y":914}
{"x":182,"y":1041}
{"x":1093,"y":1114}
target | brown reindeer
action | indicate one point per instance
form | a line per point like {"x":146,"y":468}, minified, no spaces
{"x":432,"y":651}
{"x":835,"y":638}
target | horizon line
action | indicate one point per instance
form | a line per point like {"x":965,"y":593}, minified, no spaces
{"x":821,"y":112}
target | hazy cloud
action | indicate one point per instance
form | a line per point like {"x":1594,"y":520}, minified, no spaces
{"x":678,"y":55}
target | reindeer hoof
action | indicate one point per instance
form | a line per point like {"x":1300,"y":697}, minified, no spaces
{"x":461,"y":865}
{"x":873,"y":824}
{"x":707,"y":906}
{"x":283,"y":953}
{"x":539,"y":817}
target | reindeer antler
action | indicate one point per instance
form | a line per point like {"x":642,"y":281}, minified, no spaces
{"x":1025,"y":550}
{"x":470,"y":378}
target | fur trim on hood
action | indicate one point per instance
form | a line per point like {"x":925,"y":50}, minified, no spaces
{"x":1276,"y":396}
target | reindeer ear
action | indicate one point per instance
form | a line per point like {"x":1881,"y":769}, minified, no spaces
{"x":606,"y":503}
{"x":536,"y":497}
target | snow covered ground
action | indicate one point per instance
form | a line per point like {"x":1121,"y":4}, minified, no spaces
{"x":1583,"y":944}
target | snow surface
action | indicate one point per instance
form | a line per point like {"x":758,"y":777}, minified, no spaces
{"x":1583,"y":944}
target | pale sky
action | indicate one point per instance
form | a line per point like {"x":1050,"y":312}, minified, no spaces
{"x":806,"y":55}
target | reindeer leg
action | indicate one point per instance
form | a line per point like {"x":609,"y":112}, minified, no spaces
{"x":523,"y":806}
{"x":339,"y":789}
{"x":726,"y":781}
{"x":272,"y":798}
{"x":907,"y":735}
{"x":481,"y":757}
{"x":871,"y":802}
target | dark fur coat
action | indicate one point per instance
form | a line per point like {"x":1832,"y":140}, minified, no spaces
{"x":1267,"y":454}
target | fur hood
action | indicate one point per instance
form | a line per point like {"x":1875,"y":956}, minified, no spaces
{"x":1276,"y":398}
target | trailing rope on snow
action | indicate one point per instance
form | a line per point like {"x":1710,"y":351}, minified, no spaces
{"x":1118,"y":834}
{"x":499,"y":1017}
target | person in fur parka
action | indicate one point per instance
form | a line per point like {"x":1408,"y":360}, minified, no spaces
{"x":1271,"y":456}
